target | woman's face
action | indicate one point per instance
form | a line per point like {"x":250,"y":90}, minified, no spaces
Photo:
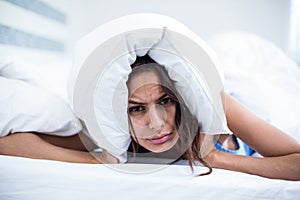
{"x":152,"y":113}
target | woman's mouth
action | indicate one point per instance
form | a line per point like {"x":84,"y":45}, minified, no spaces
{"x":160,"y":139}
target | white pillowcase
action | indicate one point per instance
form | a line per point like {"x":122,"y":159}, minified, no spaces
{"x":262,"y":77}
{"x":97,"y":87}
{"x":50,"y":74}
{"x":26,"y":107}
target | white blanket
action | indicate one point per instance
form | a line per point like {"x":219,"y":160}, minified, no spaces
{"x":30,"y":179}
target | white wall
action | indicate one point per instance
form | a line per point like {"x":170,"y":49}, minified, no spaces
{"x":267,"y":18}
{"x":27,"y":36}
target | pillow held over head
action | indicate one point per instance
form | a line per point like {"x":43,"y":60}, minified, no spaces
{"x":98,"y":91}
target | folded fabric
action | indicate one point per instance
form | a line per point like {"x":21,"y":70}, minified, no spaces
{"x":97,"y":86}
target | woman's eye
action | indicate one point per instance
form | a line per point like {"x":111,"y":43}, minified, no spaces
{"x":136,"y":109}
{"x":166,"y":101}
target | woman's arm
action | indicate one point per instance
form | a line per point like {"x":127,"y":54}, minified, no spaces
{"x":260,"y":135}
{"x":78,"y":141}
{"x":40,"y":146}
{"x":281,"y":167}
{"x":282,"y":153}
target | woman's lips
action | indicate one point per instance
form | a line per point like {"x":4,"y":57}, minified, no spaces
{"x":160,"y":139}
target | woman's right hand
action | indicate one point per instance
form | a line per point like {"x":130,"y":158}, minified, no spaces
{"x":208,"y":150}
{"x":106,"y":158}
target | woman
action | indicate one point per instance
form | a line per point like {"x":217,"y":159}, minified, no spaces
{"x":160,"y":122}
{"x":155,"y":112}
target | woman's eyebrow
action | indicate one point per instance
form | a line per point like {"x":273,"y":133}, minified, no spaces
{"x":140,"y":103}
{"x":161,"y":97}
{"x":135,"y":102}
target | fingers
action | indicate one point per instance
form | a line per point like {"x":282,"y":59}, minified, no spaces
{"x":207,"y":145}
{"x":107,"y":158}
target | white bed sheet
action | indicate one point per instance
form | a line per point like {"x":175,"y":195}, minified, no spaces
{"x":30,"y":179}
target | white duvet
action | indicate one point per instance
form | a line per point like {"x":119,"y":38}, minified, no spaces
{"x":29,"y":179}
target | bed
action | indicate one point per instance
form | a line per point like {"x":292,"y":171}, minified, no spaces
{"x":24,"y":178}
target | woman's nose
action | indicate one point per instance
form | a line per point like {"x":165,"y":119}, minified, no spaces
{"x":157,"y":115}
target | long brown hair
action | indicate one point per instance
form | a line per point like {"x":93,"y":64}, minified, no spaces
{"x":187,"y":124}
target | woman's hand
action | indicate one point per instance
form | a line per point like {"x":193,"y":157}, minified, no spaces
{"x":208,"y":150}
{"x":106,"y":158}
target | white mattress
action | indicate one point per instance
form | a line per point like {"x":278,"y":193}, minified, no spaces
{"x":24,"y":178}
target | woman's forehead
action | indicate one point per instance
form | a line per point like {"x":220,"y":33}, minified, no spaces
{"x":147,"y":93}
{"x":141,"y":80}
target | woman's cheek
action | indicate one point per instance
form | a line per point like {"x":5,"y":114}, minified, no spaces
{"x":140,"y":131}
{"x":171,"y":111}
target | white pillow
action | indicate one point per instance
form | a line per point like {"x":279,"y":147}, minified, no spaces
{"x":51,"y":75}
{"x":98,"y":91}
{"x":262,"y":77}
{"x":25,"y":107}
